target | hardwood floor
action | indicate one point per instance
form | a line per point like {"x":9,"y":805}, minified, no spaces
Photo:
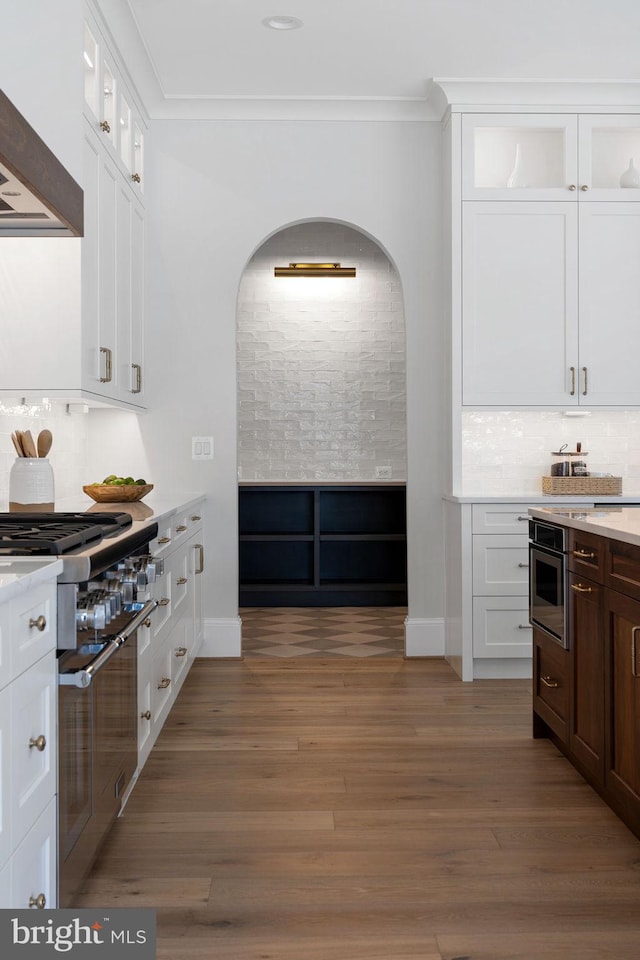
{"x":343,"y":809}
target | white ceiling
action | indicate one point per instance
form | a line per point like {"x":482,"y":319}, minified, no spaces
{"x":217,"y":51}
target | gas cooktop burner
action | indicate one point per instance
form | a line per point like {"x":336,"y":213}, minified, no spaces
{"x":56,"y":533}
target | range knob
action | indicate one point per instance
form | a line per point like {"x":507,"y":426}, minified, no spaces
{"x":91,"y":615}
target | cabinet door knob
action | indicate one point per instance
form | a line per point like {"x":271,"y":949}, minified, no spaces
{"x":38,"y":742}
{"x":40,"y":623}
{"x":136,"y":177}
{"x":164,"y":683}
{"x":38,"y":902}
{"x":572,"y":186}
{"x":584,"y":187}
{"x":181,"y":651}
{"x":182,"y":580}
{"x":105,"y":126}
{"x":146,"y":715}
{"x":164,"y":602}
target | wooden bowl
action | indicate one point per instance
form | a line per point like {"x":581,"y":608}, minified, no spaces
{"x":117,"y":492}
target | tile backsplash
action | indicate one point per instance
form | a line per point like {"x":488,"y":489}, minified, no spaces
{"x":507,"y":452}
{"x":68,"y":456}
{"x":321,"y":362}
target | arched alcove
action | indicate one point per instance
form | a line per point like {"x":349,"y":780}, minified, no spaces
{"x":321,"y":362}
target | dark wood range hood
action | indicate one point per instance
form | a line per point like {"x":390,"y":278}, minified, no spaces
{"x":38,"y":197}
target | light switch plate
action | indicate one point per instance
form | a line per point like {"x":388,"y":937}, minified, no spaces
{"x":202,"y":448}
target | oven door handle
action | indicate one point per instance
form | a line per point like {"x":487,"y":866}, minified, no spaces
{"x":82,"y":678}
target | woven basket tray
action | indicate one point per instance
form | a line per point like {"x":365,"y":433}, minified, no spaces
{"x":582,"y":486}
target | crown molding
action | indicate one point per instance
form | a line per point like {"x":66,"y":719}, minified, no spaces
{"x":452,"y":94}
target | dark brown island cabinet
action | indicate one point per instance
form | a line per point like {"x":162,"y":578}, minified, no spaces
{"x":587,"y":698}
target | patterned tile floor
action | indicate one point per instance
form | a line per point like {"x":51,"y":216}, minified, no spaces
{"x":323,"y":631}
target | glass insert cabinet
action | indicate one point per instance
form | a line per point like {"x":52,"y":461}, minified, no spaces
{"x":551,"y":157}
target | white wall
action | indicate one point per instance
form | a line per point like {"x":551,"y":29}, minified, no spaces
{"x":321,"y":362}
{"x":215,"y":191}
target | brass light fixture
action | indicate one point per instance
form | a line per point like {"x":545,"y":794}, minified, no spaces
{"x":314,"y":270}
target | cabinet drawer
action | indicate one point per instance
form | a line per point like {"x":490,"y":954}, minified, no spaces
{"x":33,"y":626}
{"x":500,"y":518}
{"x":551,"y":682}
{"x":623,"y":568}
{"x":501,"y":627}
{"x":500,"y":565}
{"x":587,"y":555}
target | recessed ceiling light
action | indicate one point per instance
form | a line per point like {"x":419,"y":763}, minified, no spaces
{"x":282,"y":23}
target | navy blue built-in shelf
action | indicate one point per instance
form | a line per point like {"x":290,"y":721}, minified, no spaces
{"x":321,"y":545}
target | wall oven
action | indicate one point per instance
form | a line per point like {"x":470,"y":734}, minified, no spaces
{"x":103,"y":598}
{"x":548,"y":579}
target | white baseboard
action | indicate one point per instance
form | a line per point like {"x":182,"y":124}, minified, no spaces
{"x":424,"y":638}
{"x":222,"y":638}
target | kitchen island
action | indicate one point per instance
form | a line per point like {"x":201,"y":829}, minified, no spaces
{"x":586,"y":691}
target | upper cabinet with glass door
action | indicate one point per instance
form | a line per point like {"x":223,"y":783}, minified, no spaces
{"x":550,"y":157}
{"x":109,"y":107}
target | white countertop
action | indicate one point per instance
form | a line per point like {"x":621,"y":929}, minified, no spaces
{"x":544,"y":498}
{"x":19,"y":574}
{"x":617,"y":523}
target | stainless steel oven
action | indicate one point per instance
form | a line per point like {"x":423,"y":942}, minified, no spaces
{"x":548,"y":579}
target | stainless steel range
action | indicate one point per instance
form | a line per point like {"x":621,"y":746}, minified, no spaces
{"x":103,"y":598}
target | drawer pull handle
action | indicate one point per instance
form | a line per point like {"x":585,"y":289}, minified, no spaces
{"x":524,"y":626}
{"x":108,"y":364}
{"x":182,"y":580}
{"x":585,"y":555}
{"x":105,"y":126}
{"x":523,"y":565}
{"x":181,"y":528}
{"x":38,"y":902}
{"x":164,"y":540}
{"x":200,"y":549}
{"x":634,"y":655}
{"x":181,"y":651}
{"x":572,"y":371}
{"x":38,"y":742}
{"x":164,"y":683}
{"x":549,"y":681}
{"x":195,"y":518}
{"x":146,"y":715}
{"x":580,"y":589}
{"x":523,"y":518}
{"x":164,"y":602}
{"x":40,"y":623}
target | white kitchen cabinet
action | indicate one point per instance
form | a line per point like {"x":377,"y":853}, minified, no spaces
{"x":168,"y":647}
{"x":28,"y":750}
{"x":110,"y":104}
{"x":487,"y":631}
{"x":549,"y":291}
{"x":519,"y":303}
{"x":578,"y":157}
{"x":78,"y":333}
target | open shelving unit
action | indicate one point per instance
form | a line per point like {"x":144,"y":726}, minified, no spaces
{"x":323,"y":545}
